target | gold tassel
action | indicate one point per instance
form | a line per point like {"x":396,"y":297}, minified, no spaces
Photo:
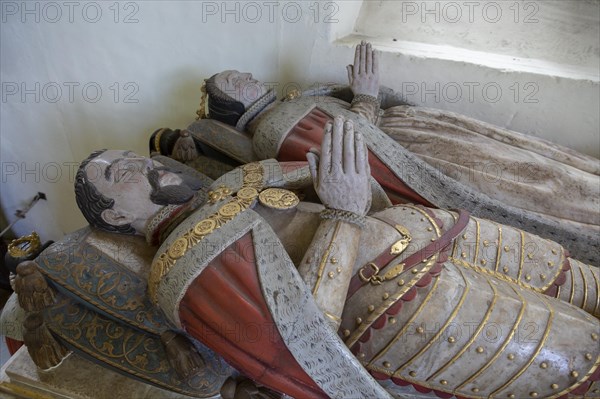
{"x":31,"y":287}
{"x":45,"y":351}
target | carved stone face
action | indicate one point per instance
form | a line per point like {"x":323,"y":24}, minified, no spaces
{"x":240,"y":86}
{"x":125,"y":177}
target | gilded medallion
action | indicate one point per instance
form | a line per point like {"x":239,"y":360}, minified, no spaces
{"x":247,"y":193}
{"x":204,"y":227}
{"x":178,"y":248}
{"x":252,"y":167}
{"x":253,"y":178}
{"x":230,"y":210}
{"x":278,"y":198}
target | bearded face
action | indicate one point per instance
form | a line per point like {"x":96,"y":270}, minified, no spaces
{"x":172,"y":194}
{"x":130,"y":190}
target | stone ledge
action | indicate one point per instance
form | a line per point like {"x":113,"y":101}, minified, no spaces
{"x":501,"y":62}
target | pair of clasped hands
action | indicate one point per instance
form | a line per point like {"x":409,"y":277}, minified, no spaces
{"x":340,"y":170}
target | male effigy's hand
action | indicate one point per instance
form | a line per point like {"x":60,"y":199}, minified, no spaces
{"x":185,"y":148}
{"x":363,"y":76}
{"x":341,"y":170}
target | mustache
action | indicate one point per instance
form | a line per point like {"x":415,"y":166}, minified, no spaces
{"x":175,"y":193}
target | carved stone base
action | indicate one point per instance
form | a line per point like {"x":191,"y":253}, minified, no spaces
{"x":73,"y":378}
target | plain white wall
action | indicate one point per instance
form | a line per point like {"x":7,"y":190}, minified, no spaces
{"x":156,"y":54}
{"x":564,"y":32}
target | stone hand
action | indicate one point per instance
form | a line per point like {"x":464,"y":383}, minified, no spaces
{"x":182,"y":354}
{"x":185,"y":149}
{"x":363,"y":76}
{"x":341,"y":171}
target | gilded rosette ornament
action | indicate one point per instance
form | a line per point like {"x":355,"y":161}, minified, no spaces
{"x":219,"y":194}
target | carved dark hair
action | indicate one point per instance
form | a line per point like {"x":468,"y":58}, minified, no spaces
{"x":222,"y":106}
{"x":92,"y":203}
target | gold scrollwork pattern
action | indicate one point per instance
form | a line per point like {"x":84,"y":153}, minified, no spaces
{"x":245,"y":197}
{"x":79,"y":268}
{"x":126,"y":350}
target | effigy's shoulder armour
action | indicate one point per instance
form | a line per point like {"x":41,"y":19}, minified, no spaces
{"x":106,"y":272}
{"x":102,"y":310}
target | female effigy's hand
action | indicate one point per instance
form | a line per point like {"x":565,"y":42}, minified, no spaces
{"x":363,"y":76}
{"x":185,"y":148}
{"x":341,"y":171}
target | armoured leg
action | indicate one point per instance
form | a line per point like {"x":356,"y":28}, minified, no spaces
{"x":474,"y":335}
{"x":581,"y":287}
{"x":458,"y":324}
{"x":530,"y":261}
